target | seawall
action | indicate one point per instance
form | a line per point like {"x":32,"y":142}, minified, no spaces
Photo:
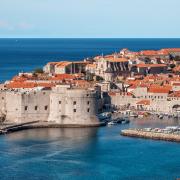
{"x":151,"y":135}
{"x":38,"y":125}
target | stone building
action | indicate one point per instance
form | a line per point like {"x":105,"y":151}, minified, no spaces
{"x":73,"y":106}
{"x":117,"y":65}
{"x":145,"y":69}
{"x":62,"y":104}
{"x":154,"y":99}
{"x":65,"y":67}
{"x":25,"y":105}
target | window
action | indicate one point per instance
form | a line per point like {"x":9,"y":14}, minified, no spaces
{"x":88,"y":102}
{"x":88,"y":110}
{"x":74,"y":110}
{"x":35,"y":108}
{"x":2,"y":97}
{"x":45,"y":108}
{"x":59,"y":102}
{"x":74,"y":103}
{"x":87,"y":95}
{"x":25,"y":108}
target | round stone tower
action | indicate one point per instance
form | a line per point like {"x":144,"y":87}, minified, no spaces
{"x":73,"y":106}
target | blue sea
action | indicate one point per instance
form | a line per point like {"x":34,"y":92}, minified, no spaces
{"x":82,"y":153}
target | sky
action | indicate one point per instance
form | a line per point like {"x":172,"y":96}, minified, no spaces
{"x":90,"y":18}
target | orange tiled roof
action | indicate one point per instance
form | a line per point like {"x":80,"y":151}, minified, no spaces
{"x":171,"y":50}
{"x":149,"y":52}
{"x":63,"y":77}
{"x":176,"y":84}
{"x":159,"y":89}
{"x":176,"y":69}
{"x":144,"y":102}
{"x":19,"y":78}
{"x":14,"y":85}
{"x":63,"y":64}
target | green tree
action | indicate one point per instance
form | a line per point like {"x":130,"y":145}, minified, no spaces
{"x":38,"y":70}
{"x":177,"y":58}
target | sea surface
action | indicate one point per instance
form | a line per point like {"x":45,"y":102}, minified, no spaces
{"x":82,"y":153}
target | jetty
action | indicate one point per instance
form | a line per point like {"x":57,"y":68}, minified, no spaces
{"x":155,"y":134}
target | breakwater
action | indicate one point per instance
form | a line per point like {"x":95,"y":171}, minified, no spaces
{"x":151,"y":135}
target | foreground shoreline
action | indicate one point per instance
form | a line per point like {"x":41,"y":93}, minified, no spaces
{"x":150,"y":135}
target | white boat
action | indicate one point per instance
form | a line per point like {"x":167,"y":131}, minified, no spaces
{"x":111,"y":123}
{"x":125,"y":121}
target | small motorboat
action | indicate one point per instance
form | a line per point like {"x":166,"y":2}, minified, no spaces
{"x":111,"y":123}
{"x":161,"y":116}
{"x":125,"y":121}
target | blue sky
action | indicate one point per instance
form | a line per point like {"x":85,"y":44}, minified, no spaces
{"x":90,"y":18}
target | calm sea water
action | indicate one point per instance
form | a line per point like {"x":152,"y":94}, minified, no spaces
{"x":95,"y":153}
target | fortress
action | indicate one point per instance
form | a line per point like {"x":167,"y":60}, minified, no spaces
{"x":63,"y":104}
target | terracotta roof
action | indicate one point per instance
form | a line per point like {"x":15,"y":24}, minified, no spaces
{"x":63,"y":64}
{"x":159,"y":89}
{"x":171,"y":50}
{"x":112,"y":94}
{"x":144,"y":102}
{"x":17,"y":85}
{"x":19,"y":78}
{"x":176,"y":69}
{"x":176,"y":84}
{"x":63,"y":77}
{"x":149,"y":52}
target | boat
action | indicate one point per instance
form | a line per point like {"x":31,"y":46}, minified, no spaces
{"x":111,"y":123}
{"x":104,"y":116}
{"x":134,"y":115}
{"x":125,"y":121}
{"x":161,"y":116}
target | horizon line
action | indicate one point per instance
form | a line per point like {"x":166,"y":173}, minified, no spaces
{"x":89,"y":37}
